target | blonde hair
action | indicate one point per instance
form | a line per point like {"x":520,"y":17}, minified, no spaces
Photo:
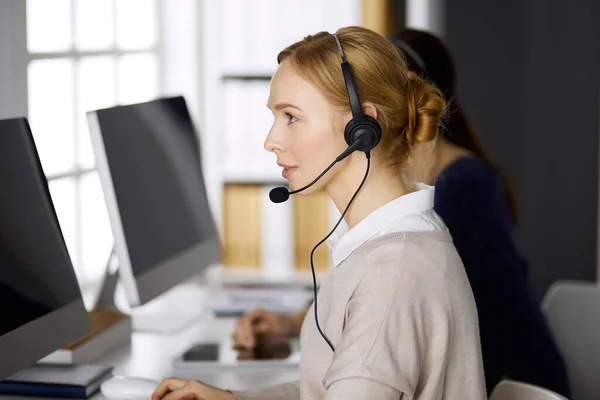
{"x":408,"y":108}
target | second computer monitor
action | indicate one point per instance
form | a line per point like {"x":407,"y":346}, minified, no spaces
{"x":41,"y":308}
{"x":148,"y":160}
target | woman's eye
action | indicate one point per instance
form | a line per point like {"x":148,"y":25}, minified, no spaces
{"x":291,"y":118}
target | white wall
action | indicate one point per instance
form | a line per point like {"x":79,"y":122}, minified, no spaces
{"x":427,"y":15}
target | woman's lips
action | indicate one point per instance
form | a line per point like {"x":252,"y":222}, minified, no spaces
{"x":288,"y":171}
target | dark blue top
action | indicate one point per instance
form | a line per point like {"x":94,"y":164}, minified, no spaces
{"x":515,"y":340}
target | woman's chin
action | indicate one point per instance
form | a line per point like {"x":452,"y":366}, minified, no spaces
{"x":305,"y":192}
{"x":295,"y":186}
{"x":296,"y":182}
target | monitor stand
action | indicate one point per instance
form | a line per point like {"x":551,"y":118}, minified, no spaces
{"x":109,"y":329}
{"x":168,"y":313}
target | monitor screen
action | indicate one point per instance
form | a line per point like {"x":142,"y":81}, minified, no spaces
{"x":149,"y":159}
{"x":38,"y":287}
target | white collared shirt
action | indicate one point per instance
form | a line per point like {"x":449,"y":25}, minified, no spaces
{"x":411,"y":212}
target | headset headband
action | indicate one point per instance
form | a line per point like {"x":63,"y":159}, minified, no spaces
{"x":357,"y":114}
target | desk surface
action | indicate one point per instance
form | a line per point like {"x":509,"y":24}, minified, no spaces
{"x":150,"y":355}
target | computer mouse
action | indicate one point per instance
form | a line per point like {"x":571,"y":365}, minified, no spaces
{"x":124,"y":388}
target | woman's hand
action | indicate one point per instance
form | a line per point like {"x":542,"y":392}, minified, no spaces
{"x":180,"y":389}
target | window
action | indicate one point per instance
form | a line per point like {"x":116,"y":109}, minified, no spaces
{"x":85,"y":55}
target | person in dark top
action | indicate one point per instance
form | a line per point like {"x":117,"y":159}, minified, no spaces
{"x":475,"y":200}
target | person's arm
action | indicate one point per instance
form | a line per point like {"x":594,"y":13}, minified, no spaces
{"x":267,"y":325}
{"x":181,"y":389}
{"x":283,"y":391}
{"x":394,"y":323}
{"x":289,"y":325}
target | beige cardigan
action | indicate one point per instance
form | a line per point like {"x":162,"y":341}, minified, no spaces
{"x":401,"y":316}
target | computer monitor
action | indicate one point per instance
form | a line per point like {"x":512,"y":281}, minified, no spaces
{"x":148,"y":160}
{"x":41,"y":308}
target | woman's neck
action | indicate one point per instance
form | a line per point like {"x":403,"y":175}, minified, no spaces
{"x":381,"y":187}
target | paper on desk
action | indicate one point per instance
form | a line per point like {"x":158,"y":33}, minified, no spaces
{"x":236,"y":301}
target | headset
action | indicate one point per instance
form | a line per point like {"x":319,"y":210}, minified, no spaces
{"x":361,"y":128}
{"x":362,"y":132}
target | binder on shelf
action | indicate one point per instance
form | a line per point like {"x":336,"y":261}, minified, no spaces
{"x":311,"y":223}
{"x":260,"y":161}
{"x":241,"y":226}
{"x":260,"y":36}
{"x":234,"y":107}
{"x":235,"y":25}
{"x":275,"y":237}
{"x":247,"y":124}
{"x":286,"y":30}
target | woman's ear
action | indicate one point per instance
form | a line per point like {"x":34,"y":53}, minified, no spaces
{"x":369,"y":109}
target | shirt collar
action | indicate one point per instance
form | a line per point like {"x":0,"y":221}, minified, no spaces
{"x":344,"y":241}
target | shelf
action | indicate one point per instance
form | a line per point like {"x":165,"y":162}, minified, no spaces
{"x":265,"y":180}
{"x":248,"y":73}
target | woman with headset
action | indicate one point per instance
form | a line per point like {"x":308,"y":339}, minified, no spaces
{"x":396,"y":317}
{"x":476,"y":201}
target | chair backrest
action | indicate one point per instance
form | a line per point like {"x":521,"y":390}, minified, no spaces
{"x":573,"y":313}
{"x":513,"y":390}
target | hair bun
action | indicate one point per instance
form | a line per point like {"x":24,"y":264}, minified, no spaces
{"x":425,"y":107}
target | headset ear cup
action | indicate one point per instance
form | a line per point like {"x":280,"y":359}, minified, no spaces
{"x":376,"y":128}
{"x":369,"y":131}
{"x":348,"y":132}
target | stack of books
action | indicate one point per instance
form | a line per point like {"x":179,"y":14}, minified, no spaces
{"x":57,"y":381}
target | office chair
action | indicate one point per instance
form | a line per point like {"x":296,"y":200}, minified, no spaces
{"x":513,"y":390}
{"x":573,"y":313}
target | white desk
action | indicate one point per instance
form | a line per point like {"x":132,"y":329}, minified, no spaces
{"x":151,"y":356}
{"x":217,"y":274}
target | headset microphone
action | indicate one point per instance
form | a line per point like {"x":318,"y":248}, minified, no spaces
{"x":281,"y":194}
